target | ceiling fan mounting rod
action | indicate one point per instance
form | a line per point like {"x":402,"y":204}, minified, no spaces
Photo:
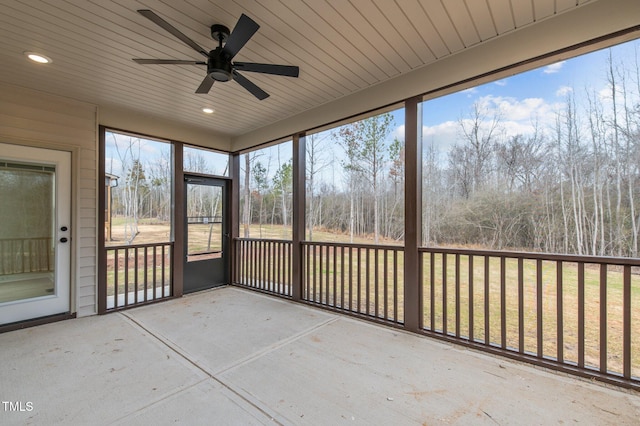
{"x":220,"y":33}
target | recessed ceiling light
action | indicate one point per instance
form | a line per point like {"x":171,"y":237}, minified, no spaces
{"x":208,"y":110}
{"x":37,"y":57}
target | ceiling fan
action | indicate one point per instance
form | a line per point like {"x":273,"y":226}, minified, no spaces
{"x":219,"y":65}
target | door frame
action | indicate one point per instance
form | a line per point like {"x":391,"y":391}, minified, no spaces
{"x":226,"y":259}
{"x":60,"y":303}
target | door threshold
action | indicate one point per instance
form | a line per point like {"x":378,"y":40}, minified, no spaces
{"x":36,"y":321}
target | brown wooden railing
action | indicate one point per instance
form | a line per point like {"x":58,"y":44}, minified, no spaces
{"x":355,"y":278}
{"x":577,"y":312}
{"x":24,"y":255}
{"x":138,"y":274}
{"x":264,"y":265}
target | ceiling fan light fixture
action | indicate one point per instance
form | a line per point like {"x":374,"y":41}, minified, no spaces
{"x":220,"y":65}
{"x":208,"y":110}
{"x":38,"y":57}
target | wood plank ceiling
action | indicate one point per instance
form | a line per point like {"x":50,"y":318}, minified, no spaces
{"x":340,"y":46}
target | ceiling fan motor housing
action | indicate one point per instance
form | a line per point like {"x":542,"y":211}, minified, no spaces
{"x":218,"y":66}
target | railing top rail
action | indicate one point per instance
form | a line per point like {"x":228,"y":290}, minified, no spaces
{"x":271,"y":240}
{"x":632,"y":261}
{"x":130,"y":246}
{"x":352,"y":245}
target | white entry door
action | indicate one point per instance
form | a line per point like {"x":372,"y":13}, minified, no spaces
{"x":35,"y":232}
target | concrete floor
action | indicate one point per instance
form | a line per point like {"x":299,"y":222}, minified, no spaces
{"x":231,"y":356}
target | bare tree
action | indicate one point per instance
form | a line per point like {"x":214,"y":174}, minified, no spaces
{"x":315,"y":163}
{"x":373,"y":133}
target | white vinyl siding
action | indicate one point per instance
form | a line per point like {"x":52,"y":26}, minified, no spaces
{"x":33,"y":118}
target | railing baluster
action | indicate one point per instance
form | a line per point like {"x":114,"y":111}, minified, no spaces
{"x":376,"y":264}
{"x":289,"y":267}
{"x":155,"y":271}
{"x":249,"y":260}
{"x":266,"y":259}
{"x":164,"y":284}
{"x":263,"y":265}
{"x":626,"y":322}
{"x":126,"y":277}
{"x":503,"y":302}
{"x":457,"y":293}
{"x":146,"y":272}
{"x":280,"y":263}
{"x":358,"y":297}
{"x":386,"y":284}
{"x":444,"y":293}
{"x":327,"y":280}
{"x":603,"y":317}
{"x":308,"y":271}
{"x":581,"y":314}
{"x":539,"y":308}
{"x":432,"y":291}
{"x":487,"y":336}
{"x":320,"y":274}
{"x":115,"y":276}
{"x":368,"y":280}
{"x":521,"y":347}
{"x":335,"y":277}
{"x":342,"y":274}
{"x":471,"y":313}
{"x":560,"y":311}
{"x":246,"y":263}
{"x":315,"y":275}
{"x":395,"y":286}
{"x":269,"y":258}
{"x":254,"y":265}
{"x":135,"y":278}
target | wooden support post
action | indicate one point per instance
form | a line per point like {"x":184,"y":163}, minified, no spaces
{"x":178,"y":220}
{"x":299,"y":210}
{"x":413,"y":214}
{"x":234,"y":202}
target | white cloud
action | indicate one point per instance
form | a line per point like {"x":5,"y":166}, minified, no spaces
{"x":553,"y":68}
{"x":517,"y":116}
{"x":605,"y":93}
{"x":563,"y":91}
{"x":470,"y":91}
{"x":501,"y":83}
{"x":399,"y":132}
{"x":441,"y":136}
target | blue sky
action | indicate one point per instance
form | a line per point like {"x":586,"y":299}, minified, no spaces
{"x":525,"y":98}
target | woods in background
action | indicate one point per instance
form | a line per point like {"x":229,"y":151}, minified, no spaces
{"x":570,"y":185}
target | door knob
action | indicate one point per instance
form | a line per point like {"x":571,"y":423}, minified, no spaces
{"x":63,"y":240}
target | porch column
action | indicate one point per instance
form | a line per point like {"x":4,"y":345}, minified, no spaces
{"x":299,"y":203}
{"x":234,"y":200}
{"x":413,"y":214}
{"x":178,"y":220}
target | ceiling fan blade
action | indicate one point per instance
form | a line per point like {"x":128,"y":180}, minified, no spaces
{"x":285,"y":70}
{"x":205,"y":86}
{"x":171,"y":29}
{"x":167,"y":62}
{"x":252,"y":88}
{"x":245,"y":28}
